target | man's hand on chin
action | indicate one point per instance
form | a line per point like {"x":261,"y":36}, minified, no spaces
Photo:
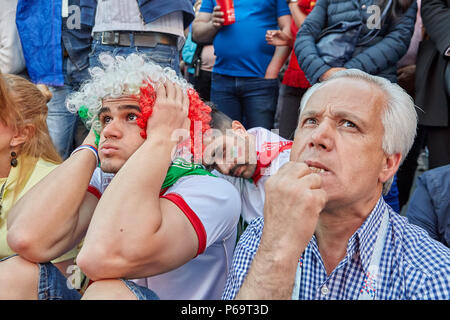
{"x":294,"y":200}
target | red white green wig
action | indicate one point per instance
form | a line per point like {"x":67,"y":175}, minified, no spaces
{"x":134,"y":75}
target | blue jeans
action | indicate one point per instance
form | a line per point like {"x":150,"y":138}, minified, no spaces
{"x":164,"y":55}
{"x":61,"y":122}
{"x":252,"y":101}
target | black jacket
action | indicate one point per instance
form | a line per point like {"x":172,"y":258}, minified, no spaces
{"x":430,"y":64}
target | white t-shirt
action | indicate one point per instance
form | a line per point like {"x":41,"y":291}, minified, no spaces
{"x":253,"y":194}
{"x":212,"y":205}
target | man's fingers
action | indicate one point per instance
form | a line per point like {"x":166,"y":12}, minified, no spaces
{"x":217,"y":10}
{"x":178,"y":94}
{"x":313,"y":180}
{"x":292,"y":168}
{"x":185,"y":102}
{"x":161,"y":91}
{"x":170,"y":90}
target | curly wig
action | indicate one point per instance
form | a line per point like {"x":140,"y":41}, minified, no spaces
{"x":138,"y":76}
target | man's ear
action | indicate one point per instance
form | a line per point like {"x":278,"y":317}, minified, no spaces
{"x":390,"y":167}
{"x":22,"y":135}
{"x":238,"y":127}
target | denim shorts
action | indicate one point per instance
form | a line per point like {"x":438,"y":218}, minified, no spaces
{"x":53,"y":285}
{"x":142,"y":293}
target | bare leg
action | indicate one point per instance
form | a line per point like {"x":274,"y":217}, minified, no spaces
{"x":19,"y":279}
{"x":108,"y":290}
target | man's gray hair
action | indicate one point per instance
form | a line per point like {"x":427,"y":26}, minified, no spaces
{"x":399,"y":116}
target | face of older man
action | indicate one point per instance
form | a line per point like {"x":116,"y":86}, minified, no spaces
{"x":339,"y":135}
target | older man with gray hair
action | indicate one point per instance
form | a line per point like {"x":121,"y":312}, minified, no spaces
{"x":326,"y":231}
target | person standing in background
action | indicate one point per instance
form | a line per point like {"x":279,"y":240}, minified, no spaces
{"x":11,"y":56}
{"x":377,"y":49}
{"x":244,"y":81}
{"x":294,"y":83}
{"x":56,"y":56}
{"x":406,"y":75}
{"x":432,"y":79}
{"x":155,"y":28}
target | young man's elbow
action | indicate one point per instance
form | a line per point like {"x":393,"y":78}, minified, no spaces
{"x":91,"y":264}
{"x":24,"y":245}
{"x":100,"y":265}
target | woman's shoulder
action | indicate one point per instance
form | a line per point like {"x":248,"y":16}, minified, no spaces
{"x":44,"y":165}
{"x":40,"y":170}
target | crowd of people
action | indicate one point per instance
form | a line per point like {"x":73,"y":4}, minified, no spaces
{"x":153,"y":150}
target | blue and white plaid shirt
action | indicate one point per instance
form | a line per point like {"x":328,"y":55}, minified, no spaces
{"x":413,"y":265}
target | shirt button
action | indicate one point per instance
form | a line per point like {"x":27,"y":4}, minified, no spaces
{"x":324,"y":290}
{"x":363,"y":6}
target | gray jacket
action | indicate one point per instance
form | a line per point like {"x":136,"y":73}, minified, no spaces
{"x":378,"y":57}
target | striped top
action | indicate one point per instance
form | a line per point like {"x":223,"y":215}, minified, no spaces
{"x":413,"y":265}
{"x":124,"y":15}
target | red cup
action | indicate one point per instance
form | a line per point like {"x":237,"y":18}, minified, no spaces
{"x":227,"y":7}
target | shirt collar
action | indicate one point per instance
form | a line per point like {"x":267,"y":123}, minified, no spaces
{"x":365,"y":237}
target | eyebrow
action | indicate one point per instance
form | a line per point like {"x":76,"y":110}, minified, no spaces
{"x":121,"y":107}
{"x":350,"y":116}
{"x":337,"y":114}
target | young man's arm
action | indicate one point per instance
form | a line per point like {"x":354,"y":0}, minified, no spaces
{"x":281,"y":52}
{"x":52,"y":217}
{"x":134,"y":233}
{"x":297,"y":14}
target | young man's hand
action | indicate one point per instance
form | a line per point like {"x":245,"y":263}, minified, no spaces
{"x":170,"y":112}
{"x":91,"y":138}
{"x":278,"y":38}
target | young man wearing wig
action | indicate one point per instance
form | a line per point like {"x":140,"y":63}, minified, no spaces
{"x":144,"y":214}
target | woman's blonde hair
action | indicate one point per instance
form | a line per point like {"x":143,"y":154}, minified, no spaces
{"x":25,"y":106}
{"x":9,"y":114}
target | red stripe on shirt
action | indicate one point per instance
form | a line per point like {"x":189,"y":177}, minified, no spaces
{"x":94,"y":191}
{"x":193,"y":218}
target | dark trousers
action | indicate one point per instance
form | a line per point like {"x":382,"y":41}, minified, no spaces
{"x":202,"y":84}
{"x":289,"y":104}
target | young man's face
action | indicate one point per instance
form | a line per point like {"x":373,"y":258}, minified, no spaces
{"x":340,"y":131}
{"x":120,"y":135}
{"x":232,"y":153}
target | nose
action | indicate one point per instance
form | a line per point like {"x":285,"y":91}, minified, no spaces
{"x":322,"y":136}
{"x":113,"y":129}
{"x":224,"y":167}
